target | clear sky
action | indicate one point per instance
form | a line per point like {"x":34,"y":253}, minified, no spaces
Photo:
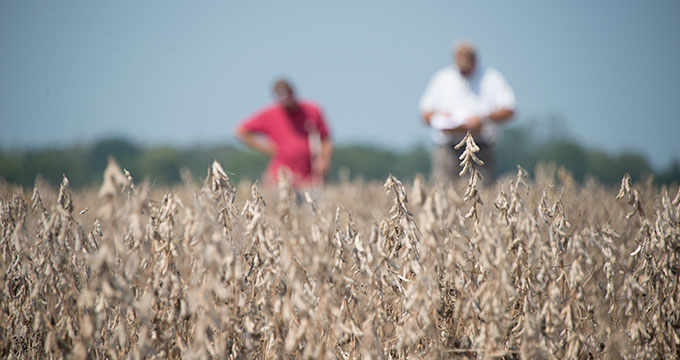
{"x":186,"y":72}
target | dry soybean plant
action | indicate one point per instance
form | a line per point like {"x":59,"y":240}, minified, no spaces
{"x":542,"y":269}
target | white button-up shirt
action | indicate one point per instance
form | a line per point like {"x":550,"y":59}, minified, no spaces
{"x":454,"y":98}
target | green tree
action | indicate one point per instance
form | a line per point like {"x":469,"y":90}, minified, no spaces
{"x":161,"y":165}
{"x":125,"y":152}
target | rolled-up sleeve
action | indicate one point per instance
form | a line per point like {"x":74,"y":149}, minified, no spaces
{"x":428,"y":102}
{"x":501,"y":94}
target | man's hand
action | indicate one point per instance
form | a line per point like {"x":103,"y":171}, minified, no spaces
{"x":320,"y":167}
{"x":473,"y":123}
{"x":267,"y":147}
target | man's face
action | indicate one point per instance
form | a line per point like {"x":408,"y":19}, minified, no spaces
{"x":465,"y":60}
{"x":285,"y":97}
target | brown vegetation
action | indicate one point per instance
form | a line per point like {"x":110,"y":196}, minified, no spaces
{"x":540,"y":269}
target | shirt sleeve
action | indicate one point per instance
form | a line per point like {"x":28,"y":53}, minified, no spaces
{"x":256,"y":122}
{"x":501,"y":94}
{"x":428,"y":102}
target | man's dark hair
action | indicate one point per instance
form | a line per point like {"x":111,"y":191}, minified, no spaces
{"x":283,"y":84}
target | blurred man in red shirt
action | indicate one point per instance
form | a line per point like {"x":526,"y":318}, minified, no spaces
{"x":293,"y":133}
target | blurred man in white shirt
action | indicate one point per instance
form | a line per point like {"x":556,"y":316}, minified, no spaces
{"x":465,"y":97}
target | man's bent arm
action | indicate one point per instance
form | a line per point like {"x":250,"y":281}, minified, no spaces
{"x":251,"y":139}
{"x":427,"y":115}
{"x":324,"y":159}
{"x":502,"y":115}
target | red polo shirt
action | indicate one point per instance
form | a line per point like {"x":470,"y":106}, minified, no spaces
{"x":290,"y":134}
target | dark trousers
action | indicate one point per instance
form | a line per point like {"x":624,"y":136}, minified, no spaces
{"x":446,"y":163}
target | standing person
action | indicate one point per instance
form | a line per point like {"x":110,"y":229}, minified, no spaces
{"x":465,"y":97}
{"x":293,"y":133}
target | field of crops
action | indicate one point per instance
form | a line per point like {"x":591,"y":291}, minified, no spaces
{"x":532,"y":269}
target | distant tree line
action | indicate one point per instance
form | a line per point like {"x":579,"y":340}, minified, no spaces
{"x":518,"y":145}
{"x":549,"y":141}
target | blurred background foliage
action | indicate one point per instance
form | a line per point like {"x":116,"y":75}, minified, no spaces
{"x":525,"y":144}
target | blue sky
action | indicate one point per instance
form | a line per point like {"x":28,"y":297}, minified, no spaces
{"x":183,"y":72}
